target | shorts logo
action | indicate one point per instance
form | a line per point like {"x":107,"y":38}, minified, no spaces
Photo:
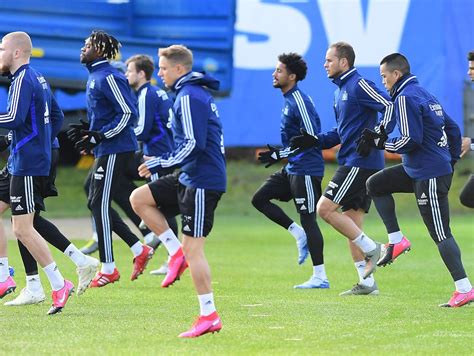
{"x":186,"y":218}
{"x":98,"y":176}
{"x":423,"y":199}
{"x":186,"y":228}
{"x":100,"y":169}
{"x":329,"y":192}
{"x":300,"y":200}
{"x":333,"y":185}
{"x":423,"y":196}
{"x":303,"y":207}
{"x":18,"y":208}
{"x":14,"y":199}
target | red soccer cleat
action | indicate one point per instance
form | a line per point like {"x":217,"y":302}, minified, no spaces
{"x":203,"y":325}
{"x":176,"y":266}
{"x":7,"y":287}
{"x":60,"y":297}
{"x":102,"y":279}
{"x":392,"y":251}
{"x":140,"y":262}
{"x":459,"y":299}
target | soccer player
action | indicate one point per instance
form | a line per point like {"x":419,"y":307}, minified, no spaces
{"x":196,"y":190}
{"x":357,"y":102}
{"x":111,"y":138}
{"x":467,"y":193}
{"x":430,"y":144}
{"x":31,"y":117}
{"x":300,"y":179}
{"x":86,"y":266}
{"x":155,"y":111}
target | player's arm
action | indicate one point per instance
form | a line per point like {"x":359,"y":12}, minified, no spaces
{"x":194,"y":116}
{"x":118,"y":93}
{"x":147,"y":111}
{"x":21,"y":94}
{"x":56,"y":116}
{"x":410,"y":124}
{"x":453,"y":133}
{"x":372,"y":97}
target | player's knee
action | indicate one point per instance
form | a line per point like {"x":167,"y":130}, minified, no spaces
{"x":22,"y":231}
{"x":323,"y":209}
{"x":138,"y":199}
{"x":258,"y":202}
{"x":372,"y":186}
{"x":466,"y":199}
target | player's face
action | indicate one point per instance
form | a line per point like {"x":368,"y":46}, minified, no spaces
{"x":169,"y":72}
{"x":389,"y":78}
{"x":281,"y":78}
{"x":6,"y":55}
{"x":470,"y":71}
{"x":88,"y":52}
{"x":132,"y":75}
{"x":332,"y":63}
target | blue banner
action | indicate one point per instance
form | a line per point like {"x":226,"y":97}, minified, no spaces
{"x":435,"y":35}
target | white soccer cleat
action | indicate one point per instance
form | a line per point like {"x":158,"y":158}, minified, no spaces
{"x":163,"y":270}
{"x":26,"y":297}
{"x":86,"y":274}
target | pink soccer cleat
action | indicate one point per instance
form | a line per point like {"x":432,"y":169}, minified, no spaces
{"x":203,"y":325}
{"x":459,"y":299}
{"x":176,"y":266}
{"x":60,"y":297}
{"x":102,"y":279}
{"x":7,"y":287}
{"x":140,"y":262}
{"x":392,"y":251}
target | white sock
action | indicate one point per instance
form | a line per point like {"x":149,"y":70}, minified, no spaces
{"x":365,"y":243}
{"x":360,"y":267}
{"x":33,"y":284}
{"x":297,"y":231}
{"x":148,"y":238}
{"x":4,"y":272}
{"x":320,"y":272}
{"x":75,"y":255}
{"x":95,"y":237}
{"x":395,"y":237}
{"x":170,"y":241}
{"x":55,"y":278}
{"x":107,"y":267}
{"x":137,"y":248}
{"x":206,"y":303}
{"x":463,"y":285}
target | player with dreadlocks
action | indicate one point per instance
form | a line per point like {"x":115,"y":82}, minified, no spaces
{"x":110,"y":136}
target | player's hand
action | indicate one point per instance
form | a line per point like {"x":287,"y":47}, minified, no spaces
{"x":5,"y":141}
{"x":304,"y":141}
{"x":269,"y":157}
{"x":375,"y":139}
{"x":143,"y":170}
{"x":90,"y":139}
{"x":75,"y":130}
{"x":363,"y":147}
{"x":465,"y":145}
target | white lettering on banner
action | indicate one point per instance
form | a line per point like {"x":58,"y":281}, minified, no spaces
{"x":343,"y":21}
{"x":266,"y":20}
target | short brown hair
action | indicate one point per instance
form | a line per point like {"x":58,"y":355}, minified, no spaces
{"x":178,"y":54}
{"x":344,"y":50}
{"x":470,"y":56}
{"x":142,"y":63}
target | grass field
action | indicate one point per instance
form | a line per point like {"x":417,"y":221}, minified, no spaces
{"x":254,"y":269}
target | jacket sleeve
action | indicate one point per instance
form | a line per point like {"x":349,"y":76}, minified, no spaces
{"x":57,"y":118}
{"x":372,"y":97}
{"x":453,"y":133}
{"x":147,"y":109}
{"x":118,"y":92}
{"x":194,"y":116}
{"x":329,"y":139}
{"x":410,"y":124}
{"x":19,"y":101}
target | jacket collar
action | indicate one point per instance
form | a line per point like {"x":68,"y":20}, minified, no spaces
{"x":146,"y":85}
{"x":14,"y":75}
{"x":97,"y":64}
{"x":291,"y":91}
{"x":401,"y":83}
{"x":339,"y":81}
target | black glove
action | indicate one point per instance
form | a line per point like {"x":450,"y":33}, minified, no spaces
{"x":375,"y":139}
{"x":75,"y":130}
{"x":269,"y":157}
{"x":90,"y":140}
{"x":304,"y":141}
{"x":363,"y":147}
{"x":5,"y":141}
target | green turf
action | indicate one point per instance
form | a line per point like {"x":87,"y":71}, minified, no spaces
{"x":254,"y":269}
